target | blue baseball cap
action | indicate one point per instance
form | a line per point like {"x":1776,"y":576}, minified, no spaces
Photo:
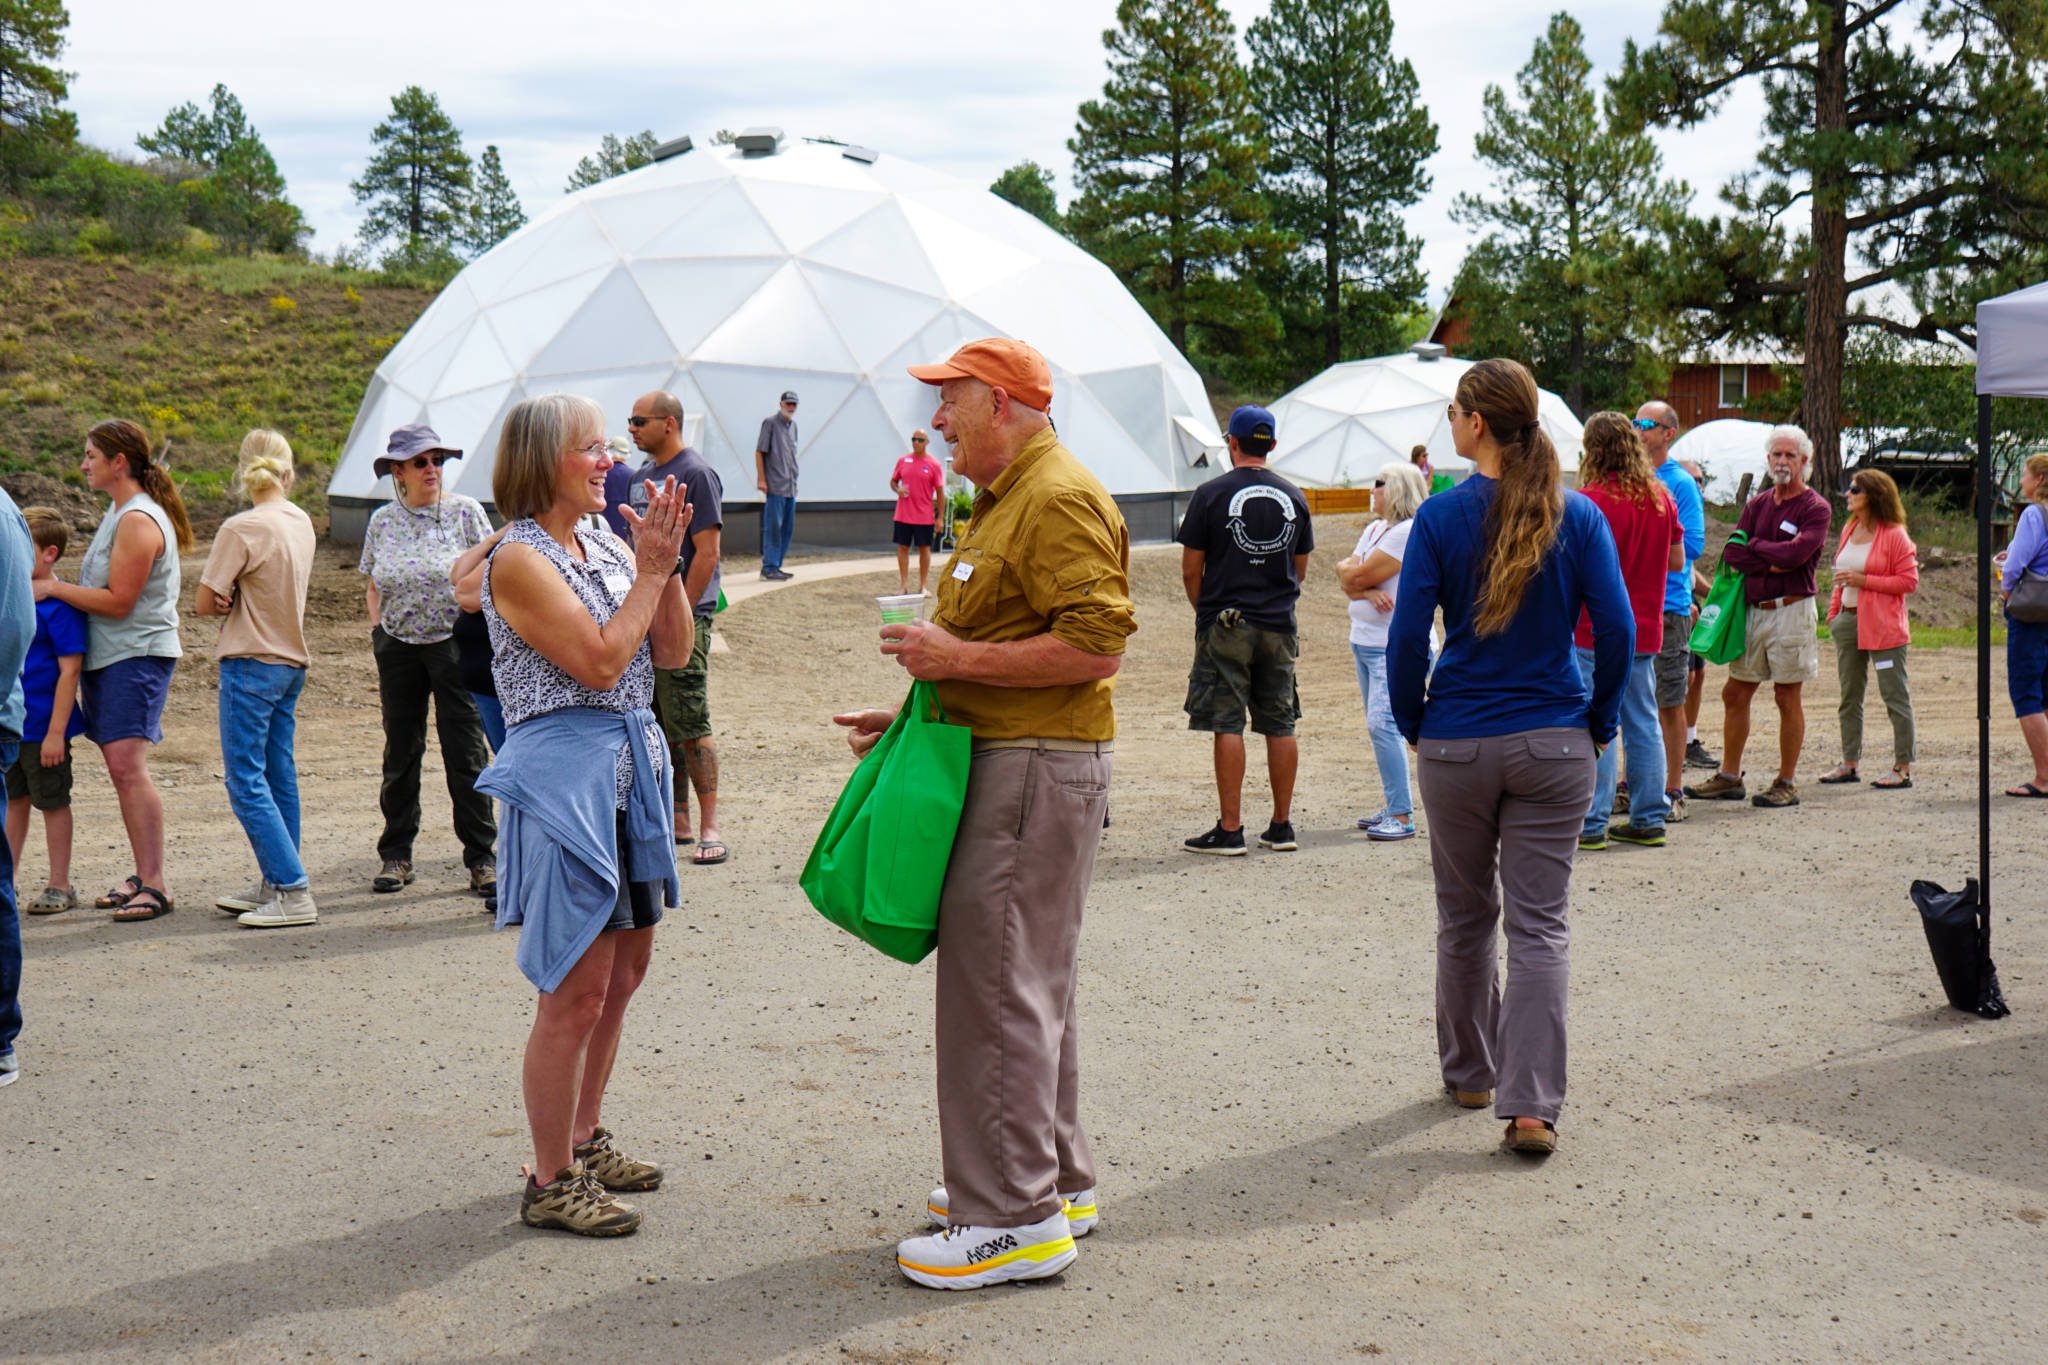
{"x":1252,"y":420}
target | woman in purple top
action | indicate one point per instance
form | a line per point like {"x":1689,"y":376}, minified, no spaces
{"x":2026,"y":642}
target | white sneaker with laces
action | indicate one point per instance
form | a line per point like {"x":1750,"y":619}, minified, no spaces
{"x":1079,"y":1208}
{"x":282,"y":910}
{"x":972,"y":1258}
{"x":241,"y":902}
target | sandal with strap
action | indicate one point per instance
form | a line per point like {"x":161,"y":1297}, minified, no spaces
{"x":118,"y":897}
{"x":1842,"y":773}
{"x":1898,"y":781}
{"x":147,"y":903}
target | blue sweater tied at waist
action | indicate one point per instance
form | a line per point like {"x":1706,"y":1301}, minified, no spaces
{"x":558,"y":854}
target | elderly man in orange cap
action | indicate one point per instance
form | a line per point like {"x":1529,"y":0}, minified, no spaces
{"x":1032,"y":614}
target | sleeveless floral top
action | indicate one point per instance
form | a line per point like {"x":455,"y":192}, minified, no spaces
{"x":530,"y":685}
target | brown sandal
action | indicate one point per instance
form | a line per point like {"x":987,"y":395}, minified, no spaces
{"x":118,"y":897}
{"x":1529,"y":1141}
{"x":146,"y":903}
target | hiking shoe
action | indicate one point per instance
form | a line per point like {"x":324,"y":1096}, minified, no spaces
{"x":1227,"y":843}
{"x":1696,"y":756}
{"x":1781,"y":793}
{"x":283,"y":910}
{"x":1529,"y":1141}
{"x":575,"y":1202}
{"x":1675,"y":809}
{"x":1594,"y":842}
{"x":396,"y":873}
{"x":1647,"y":836}
{"x":1719,"y":787}
{"x":53,"y":900}
{"x":1279,"y":837}
{"x":612,"y":1168}
{"x":241,"y":902}
{"x":1389,"y":828}
{"x":1080,"y":1208}
{"x":1620,"y":799}
{"x":970,"y":1257}
{"x":483,"y":879}
{"x":10,"y":1068}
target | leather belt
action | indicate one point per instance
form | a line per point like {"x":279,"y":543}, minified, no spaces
{"x":1056,"y":746}
{"x":1773,"y":603}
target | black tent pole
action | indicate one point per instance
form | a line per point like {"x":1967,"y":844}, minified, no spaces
{"x":1985,"y":495}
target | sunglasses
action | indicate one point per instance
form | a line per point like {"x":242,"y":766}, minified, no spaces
{"x":1858,"y":489}
{"x":638,"y":422}
{"x":422,"y":461}
{"x":917,"y":440}
{"x":1379,"y":483}
{"x":1645,"y":424}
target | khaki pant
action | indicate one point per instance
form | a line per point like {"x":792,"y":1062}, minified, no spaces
{"x":1008,"y":1048}
{"x":1854,"y":667}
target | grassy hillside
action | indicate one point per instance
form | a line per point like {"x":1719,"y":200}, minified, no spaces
{"x":198,"y":354}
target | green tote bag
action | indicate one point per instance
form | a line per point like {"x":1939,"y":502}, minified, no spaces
{"x":1719,"y":635}
{"x":880,"y":861}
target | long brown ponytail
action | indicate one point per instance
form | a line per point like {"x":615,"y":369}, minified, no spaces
{"x":1527,"y":509}
{"x":121,"y":439}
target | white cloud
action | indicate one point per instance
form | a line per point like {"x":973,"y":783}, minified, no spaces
{"x":967,"y":89}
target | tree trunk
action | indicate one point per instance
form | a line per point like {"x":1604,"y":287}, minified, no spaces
{"x":1827,"y":293}
{"x":1575,"y":392}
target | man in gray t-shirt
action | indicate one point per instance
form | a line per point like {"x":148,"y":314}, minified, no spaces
{"x":775,"y":476}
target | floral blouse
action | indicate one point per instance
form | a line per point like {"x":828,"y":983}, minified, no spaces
{"x":408,"y":551}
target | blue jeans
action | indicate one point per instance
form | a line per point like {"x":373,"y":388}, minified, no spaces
{"x":257,"y":722}
{"x":493,"y":716}
{"x":1643,"y":739}
{"x":778,"y":524}
{"x":10,"y":930}
{"x":1387,"y":745}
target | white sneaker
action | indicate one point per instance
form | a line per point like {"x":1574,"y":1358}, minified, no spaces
{"x":1079,"y":1207}
{"x":971,"y":1258}
{"x":282,"y":910}
{"x":240,"y":902}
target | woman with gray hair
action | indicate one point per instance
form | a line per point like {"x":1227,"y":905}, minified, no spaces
{"x":1371,"y":578}
{"x":578,"y":625}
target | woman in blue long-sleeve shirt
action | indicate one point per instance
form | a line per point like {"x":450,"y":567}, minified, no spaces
{"x":1506,"y":734}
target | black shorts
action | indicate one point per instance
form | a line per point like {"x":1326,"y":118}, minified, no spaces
{"x":639,"y":904}
{"x":912,"y":533}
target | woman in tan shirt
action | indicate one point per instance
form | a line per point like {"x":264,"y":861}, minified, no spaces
{"x":256,"y":577}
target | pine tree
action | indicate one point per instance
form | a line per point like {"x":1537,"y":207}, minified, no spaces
{"x":1349,"y":141}
{"x":416,"y":186}
{"x":33,"y":122}
{"x":1028,"y":185}
{"x":1566,"y":279}
{"x":236,"y":190}
{"x":494,"y":210}
{"x":199,"y":137}
{"x":1907,"y":134}
{"x":1167,"y":163}
{"x":612,"y":157}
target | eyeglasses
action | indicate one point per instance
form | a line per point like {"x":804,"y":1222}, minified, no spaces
{"x":594,"y":449}
{"x":436,"y":459}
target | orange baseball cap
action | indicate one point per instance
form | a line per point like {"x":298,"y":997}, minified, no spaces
{"x":999,"y":362}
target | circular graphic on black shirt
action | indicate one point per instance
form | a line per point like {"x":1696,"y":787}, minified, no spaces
{"x":1254,"y":524}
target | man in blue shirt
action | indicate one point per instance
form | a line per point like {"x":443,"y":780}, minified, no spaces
{"x":17,"y":632}
{"x":1658,"y":424}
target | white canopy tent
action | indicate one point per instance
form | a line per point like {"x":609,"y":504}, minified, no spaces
{"x":728,"y":276}
{"x":1337,"y":429}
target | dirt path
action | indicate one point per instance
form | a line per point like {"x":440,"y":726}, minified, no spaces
{"x":305,"y":1144}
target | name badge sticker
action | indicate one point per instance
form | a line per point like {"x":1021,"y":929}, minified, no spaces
{"x":963,"y":571}
{"x":618,"y":585}
{"x":1885,"y":663}
{"x":1788,"y":528}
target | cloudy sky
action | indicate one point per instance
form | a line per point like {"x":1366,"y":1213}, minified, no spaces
{"x":966,"y":88}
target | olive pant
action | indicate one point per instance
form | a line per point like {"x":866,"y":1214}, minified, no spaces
{"x":407,"y":676}
{"x":1854,"y":667}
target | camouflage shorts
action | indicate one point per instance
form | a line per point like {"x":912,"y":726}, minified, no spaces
{"x":1241,"y":667}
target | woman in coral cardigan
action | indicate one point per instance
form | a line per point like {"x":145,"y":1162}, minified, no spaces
{"x":1876,"y":565}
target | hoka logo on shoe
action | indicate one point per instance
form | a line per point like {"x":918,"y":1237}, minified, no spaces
{"x":990,"y":1249}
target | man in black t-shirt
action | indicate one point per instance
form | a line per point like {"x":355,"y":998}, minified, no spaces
{"x":1244,"y":544}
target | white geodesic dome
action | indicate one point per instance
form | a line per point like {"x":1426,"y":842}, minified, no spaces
{"x":728,"y":277}
{"x":1336,"y":430}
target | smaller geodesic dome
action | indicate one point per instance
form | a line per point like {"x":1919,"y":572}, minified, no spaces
{"x":1336,"y":430}
{"x":728,"y":274}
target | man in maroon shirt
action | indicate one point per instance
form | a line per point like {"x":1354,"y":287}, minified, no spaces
{"x":1787,"y":526}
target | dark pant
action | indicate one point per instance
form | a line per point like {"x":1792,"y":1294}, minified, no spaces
{"x":1009,"y":1048}
{"x":407,"y":675}
{"x":10,"y":932}
{"x":1507,"y":806}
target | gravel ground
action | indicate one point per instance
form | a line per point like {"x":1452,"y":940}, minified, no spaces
{"x":305,"y":1143}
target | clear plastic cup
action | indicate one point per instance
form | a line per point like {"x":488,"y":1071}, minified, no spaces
{"x":899,"y":608}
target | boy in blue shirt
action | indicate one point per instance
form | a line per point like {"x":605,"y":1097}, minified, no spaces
{"x":41,"y":776}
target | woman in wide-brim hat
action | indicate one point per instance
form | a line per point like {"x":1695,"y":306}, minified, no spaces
{"x":408,"y":548}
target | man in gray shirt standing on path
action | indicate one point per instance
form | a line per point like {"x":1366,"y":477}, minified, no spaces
{"x":775,"y":476}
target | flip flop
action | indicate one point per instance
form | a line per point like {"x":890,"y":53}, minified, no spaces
{"x":2026,"y":789}
{"x":707,"y":846}
{"x":118,"y":897}
{"x":685,"y":840}
{"x":131,"y":913}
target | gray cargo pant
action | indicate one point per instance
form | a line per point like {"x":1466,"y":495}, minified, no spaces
{"x":1009,"y":1060}
{"x":1507,"y":806}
